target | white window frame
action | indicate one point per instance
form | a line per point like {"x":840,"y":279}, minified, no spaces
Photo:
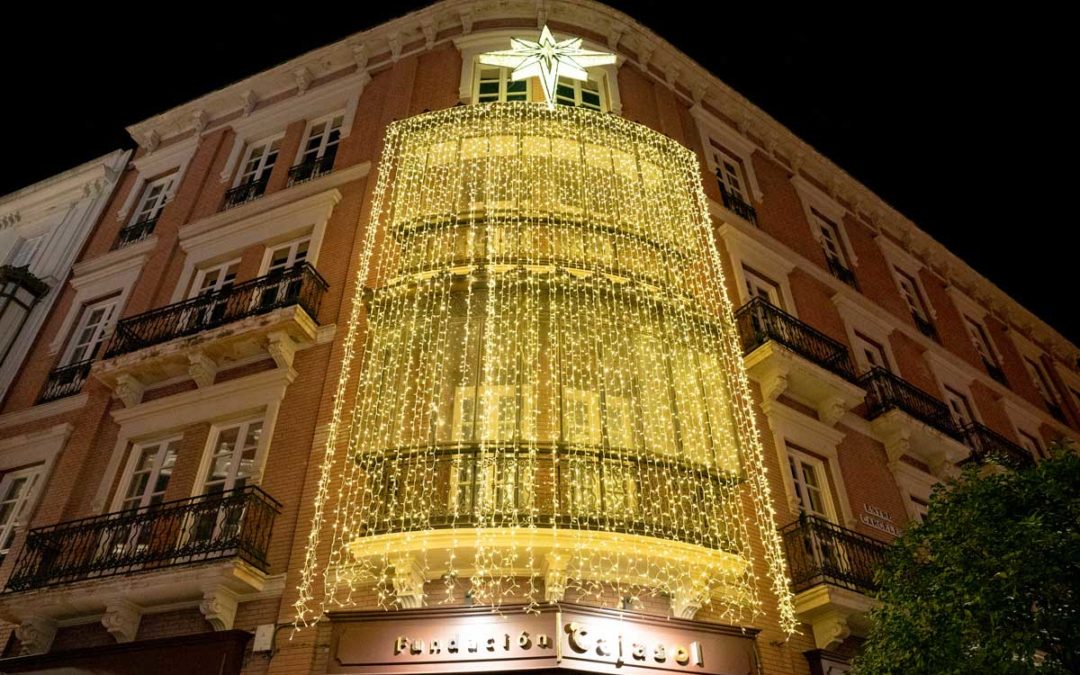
{"x":473,"y":44}
{"x":791,"y":426}
{"x":243,"y":426}
{"x":221,"y":402}
{"x":111,"y":306}
{"x":1040,"y":377}
{"x":813,"y":199}
{"x":821,"y":473}
{"x":23,"y":507}
{"x":94,"y":280}
{"x":913,"y":483}
{"x":957,"y":399}
{"x":578,"y":86}
{"x":858,"y":318}
{"x":504,"y":83}
{"x":950,"y":376}
{"x":293,"y":246}
{"x":202,"y":272}
{"x":37,"y":449}
{"x":746,"y":251}
{"x":494,"y":392}
{"x":268,"y":141}
{"x":858,"y":339}
{"x":169,"y":159}
{"x":900,"y":260}
{"x":756,"y":282}
{"x":168,"y":185}
{"x":829,"y":235}
{"x":1024,"y":418}
{"x":972,"y":311}
{"x":25,"y":251}
{"x":129,"y":467}
{"x":710,"y":129}
{"x":323,"y":144}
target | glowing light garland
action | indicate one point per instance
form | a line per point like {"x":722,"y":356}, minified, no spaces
{"x":542,"y":389}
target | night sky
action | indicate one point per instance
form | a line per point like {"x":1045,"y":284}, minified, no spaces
{"x":960,"y":122}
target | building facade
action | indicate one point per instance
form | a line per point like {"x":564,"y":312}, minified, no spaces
{"x":332,"y":345}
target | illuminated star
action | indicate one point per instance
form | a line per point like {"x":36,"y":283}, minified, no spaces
{"x":548,"y":60}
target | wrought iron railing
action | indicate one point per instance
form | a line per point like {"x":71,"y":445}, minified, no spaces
{"x":246,"y":192}
{"x":136,"y":232}
{"x":758,"y":322}
{"x":820,"y":552}
{"x":311,"y":169}
{"x":21,"y":277}
{"x":299,"y":285}
{"x":925,"y":326}
{"x":842,"y":272}
{"x":65,"y":381}
{"x":237,"y":523}
{"x":885,"y":392}
{"x":735,"y":203}
{"x":988,"y":445}
{"x":555,"y":485}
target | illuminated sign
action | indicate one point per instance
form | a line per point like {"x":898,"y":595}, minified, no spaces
{"x":457,"y":640}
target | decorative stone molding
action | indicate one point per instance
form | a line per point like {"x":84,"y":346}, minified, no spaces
{"x":902,"y":435}
{"x":685,"y":602}
{"x":199,"y":120}
{"x":360,"y":56}
{"x":129,"y":390}
{"x":408,"y":581}
{"x":202,"y":369}
{"x":834,"y":614}
{"x":644,"y":52}
{"x":248,"y":101}
{"x":303,"y":79}
{"x":466,"y":17}
{"x":121,"y":619}
{"x":831,"y":409}
{"x":393,"y":40}
{"x":282,"y":348}
{"x":36,"y":634}
{"x":554,"y":577}
{"x":427,"y":27}
{"x":219,"y":607}
{"x":151,"y":141}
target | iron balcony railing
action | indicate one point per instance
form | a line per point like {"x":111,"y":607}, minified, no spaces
{"x":22,"y":278}
{"x":246,"y":192}
{"x":65,"y":381}
{"x":734,"y":203}
{"x":236,"y":523}
{"x":842,"y":272}
{"x":820,"y":552}
{"x":988,"y":445}
{"x":299,"y":285}
{"x":311,"y":169}
{"x":885,"y":392}
{"x":136,"y":232}
{"x":758,"y":322}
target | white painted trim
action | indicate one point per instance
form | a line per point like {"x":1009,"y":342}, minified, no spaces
{"x":473,"y":44}
{"x":129,"y":466}
{"x":175,"y":156}
{"x":746,"y":250}
{"x":43,"y":411}
{"x":268,"y":416}
{"x":806,"y":432}
{"x":119,"y":278}
{"x":203,"y":244}
{"x":913,"y":482}
{"x":857,"y":318}
{"x":812,"y":197}
{"x":898,"y":258}
{"x":710,"y":126}
{"x":246,"y":395}
{"x":42,"y":447}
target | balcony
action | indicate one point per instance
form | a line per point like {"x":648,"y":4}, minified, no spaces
{"x":735,"y":203}
{"x":989,"y":446}
{"x":134,"y":233}
{"x":209,"y":550}
{"x":246,"y":192}
{"x":842,"y":272}
{"x":786,"y":356}
{"x":832,"y":575}
{"x":65,"y":381}
{"x":909,"y":421}
{"x":272,"y":314}
{"x":311,"y":169}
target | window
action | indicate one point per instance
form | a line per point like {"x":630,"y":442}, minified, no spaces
{"x":280,"y":260}
{"x":232,"y":459}
{"x":729,"y":171}
{"x":832,"y":243}
{"x":760,"y":286}
{"x":154,"y":197}
{"x":1042,"y":384}
{"x":1030,"y":443}
{"x":909,"y":290}
{"x":919,"y":508}
{"x":495,"y":84}
{"x":16,"y":492}
{"x":808,"y":477}
{"x":869,"y":353}
{"x":501,"y":421}
{"x":322,"y":139}
{"x":94,"y":326}
{"x":26,"y":250}
{"x":981,"y":342}
{"x":213,"y":281}
{"x":578,"y":93}
{"x":581,"y":417}
{"x":959,"y":407}
{"x":154,"y":464}
{"x":259,"y":162}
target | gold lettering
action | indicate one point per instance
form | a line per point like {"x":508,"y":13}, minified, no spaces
{"x":506,"y":641}
{"x":491,"y":644}
{"x":416,"y":647}
{"x":659,"y":653}
{"x":523,"y":640}
{"x":696,"y":655}
{"x":472,"y":645}
{"x":400,"y":644}
{"x":637,"y":651}
{"x":435,"y":647}
{"x":576,"y":637}
{"x":542,"y":640}
{"x":682,"y":657}
{"x":452,"y":645}
{"x":602,"y":647}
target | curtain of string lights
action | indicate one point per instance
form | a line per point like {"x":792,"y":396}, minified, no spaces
{"x":542,"y":390}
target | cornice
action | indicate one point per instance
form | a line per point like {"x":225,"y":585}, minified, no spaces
{"x":94,"y":178}
{"x":381,"y":46}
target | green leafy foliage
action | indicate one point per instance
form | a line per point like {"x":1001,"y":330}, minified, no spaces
{"x":989,"y":583}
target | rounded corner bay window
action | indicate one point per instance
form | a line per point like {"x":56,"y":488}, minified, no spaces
{"x":542,"y":373}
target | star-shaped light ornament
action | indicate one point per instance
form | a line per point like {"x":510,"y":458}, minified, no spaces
{"x":548,"y":60}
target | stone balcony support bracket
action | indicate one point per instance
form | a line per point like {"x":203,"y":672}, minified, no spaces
{"x":833,"y":613}
{"x":781,"y":372}
{"x":554,"y":577}
{"x":36,"y":634}
{"x":202,"y":369}
{"x":408,"y":581}
{"x":121,"y":619}
{"x":219,"y":607}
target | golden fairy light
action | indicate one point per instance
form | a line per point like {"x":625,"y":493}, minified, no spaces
{"x":542,"y":392}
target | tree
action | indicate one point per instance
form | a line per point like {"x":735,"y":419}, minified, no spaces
{"x":989,"y":582}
